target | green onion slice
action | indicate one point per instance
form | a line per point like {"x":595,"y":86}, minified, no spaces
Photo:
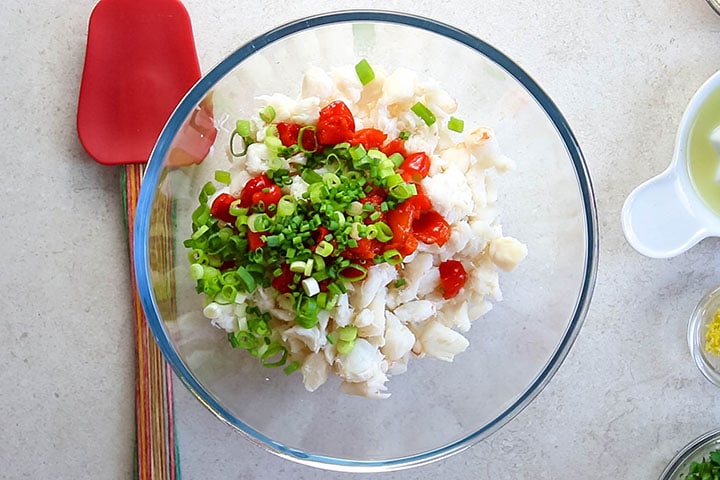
{"x":364,"y":72}
{"x":267,"y":114}
{"x":424,"y":113}
{"x":456,"y":125}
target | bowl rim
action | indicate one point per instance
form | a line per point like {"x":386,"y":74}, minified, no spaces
{"x":695,"y":342}
{"x":195,"y":95}
{"x":688,"y":451}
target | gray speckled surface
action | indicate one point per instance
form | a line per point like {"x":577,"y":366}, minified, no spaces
{"x":626,"y":399}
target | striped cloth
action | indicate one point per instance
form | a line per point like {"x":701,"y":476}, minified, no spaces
{"x":156,"y":454}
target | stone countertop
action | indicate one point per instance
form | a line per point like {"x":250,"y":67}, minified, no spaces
{"x":627,"y":398}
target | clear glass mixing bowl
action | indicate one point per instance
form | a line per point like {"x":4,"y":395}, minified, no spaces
{"x":436,"y":408}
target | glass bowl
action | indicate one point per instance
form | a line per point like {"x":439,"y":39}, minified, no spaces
{"x":436,"y":408}
{"x":694,"y":451}
{"x":715,"y":5}
{"x":708,"y":364}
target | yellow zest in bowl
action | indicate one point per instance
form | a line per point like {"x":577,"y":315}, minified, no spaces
{"x":712,"y":337}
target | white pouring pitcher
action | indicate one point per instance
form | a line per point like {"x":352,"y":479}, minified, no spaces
{"x":665,"y":216}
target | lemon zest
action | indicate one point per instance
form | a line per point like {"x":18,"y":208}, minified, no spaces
{"x":712,"y":336}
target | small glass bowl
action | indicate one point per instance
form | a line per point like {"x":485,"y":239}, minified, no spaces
{"x":715,"y":4}
{"x":692,"y":452}
{"x":708,"y":364}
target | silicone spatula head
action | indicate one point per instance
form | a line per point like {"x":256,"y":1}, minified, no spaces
{"x":139,"y":63}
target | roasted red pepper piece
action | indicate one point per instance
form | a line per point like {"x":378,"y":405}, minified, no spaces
{"x":394,"y":146}
{"x":269,"y":195}
{"x":255,"y":240}
{"x":221,"y":207}
{"x":368,"y":138}
{"x":415,"y":167}
{"x":254,"y":185}
{"x":402,"y":219}
{"x":335,"y":124}
{"x":366,"y":250}
{"x":452,"y":277}
{"x":289,"y":132}
{"x":431,"y":227}
{"x":283,"y":282}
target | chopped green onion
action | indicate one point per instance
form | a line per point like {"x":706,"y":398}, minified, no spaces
{"x":331,"y":180}
{"x":201,"y":215}
{"x":324,"y":248}
{"x":267,"y":114}
{"x":200,"y":232}
{"x":286,"y":206}
{"x":259,"y":222}
{"x":236,"y":210}
{"x":424,"y":113}
{"x":273,"y":350}
{"x":247,"y":279}
{"x":292,"y":366}
{"x":392,"y":256}
{"x":222,"y":176}
{"x":242,"y":339}
{"x":383,"y":232}
{"x":364,"y":72}
{"x":273,"y":143}
{"x":352,"y":276}
{"x":310,"y":286}
{"x":245,"y":143}
{"x":308,"y":267}
{"x":301,"y":136}
{"x":354,"y":209}
{"x":209,"y":189}
{"x":243,"y":128}
{"x":343,"y":347}
{"x":297,"y":266}
{"x":348,"y":333}
{"x":403,"y":191}
{"x":399,"y":282}
{"x":404,"y":135}
{"x":229,"y":292}
{"x":456,"y":125}
{"x":397,"y":159}
{"x":196,"y":271}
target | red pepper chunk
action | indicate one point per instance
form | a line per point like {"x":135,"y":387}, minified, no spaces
{"x":366,"y":250}
{"x":431,"y":227}
{"x":394,"y":146}
{"x":289,"y":132}
{"x":335,"y":124}
{"x":269,"y":195}
{"x":368,"y":138}
{"x":255,"y":240}
{"x":221,"y":207}
{"x":253,"y":186}
{"x":283,"y":282}
{"x":452,"y":278}
{"x":415,"y":167}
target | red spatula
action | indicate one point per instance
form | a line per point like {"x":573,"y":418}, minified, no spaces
{"x":140,"y":61}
